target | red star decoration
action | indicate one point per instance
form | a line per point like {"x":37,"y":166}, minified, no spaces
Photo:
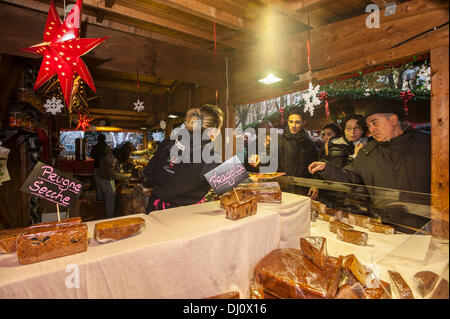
{"x":83,"y":122}
{"x":62,"y":49}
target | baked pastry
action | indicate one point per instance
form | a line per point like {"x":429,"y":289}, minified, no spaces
{"x":43,"y":243}
{"x":335,"y":224}
{"x":68,"y":221}
{"x":400,"y":285}
{"x":8,"y":239}
{"x":117,"y":229}
{"x":269,"y":192}
{"x":315,"y":248}
{"x":227,"y":295}
{"x":360,"y":220}
{"x":378,"y":227}
{"x":441,"y":291}
{"x":337,"y":213}
{"x":424,"y":282}
{"x":287,"y":273}
{"x":256,"y":290}
{"x":354,"y":269}
{"x":381,"y":291}
{"x":230,"y":197}
{"x":316,"y":209}
{"x":244,"y":208}
{"x":352,"y":236}
{"x":347,"y":291}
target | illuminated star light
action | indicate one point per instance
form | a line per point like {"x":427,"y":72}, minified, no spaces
{"x":62,"y":49}
{"x":83,"y":122}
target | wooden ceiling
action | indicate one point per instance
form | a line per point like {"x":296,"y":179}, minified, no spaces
{"x":175,"y":45}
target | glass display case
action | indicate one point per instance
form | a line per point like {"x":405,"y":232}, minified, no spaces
{"x":391,"y":244}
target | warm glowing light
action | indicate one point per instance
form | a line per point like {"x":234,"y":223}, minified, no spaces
{"x":269,"y":79}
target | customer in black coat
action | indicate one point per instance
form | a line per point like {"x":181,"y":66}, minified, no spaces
{"x":397,"y":158}
{"x":176,"y":171}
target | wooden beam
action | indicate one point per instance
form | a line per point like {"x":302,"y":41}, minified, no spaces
{"x":144,"y":88}
{"x":420,"y":45}
{"x":305,"y":5}
{"x":286,"y":9}
{"x":174,"y":62}
{"x":210,"y":13}
{"x":440,"y":140}
{"x":112,"y":111}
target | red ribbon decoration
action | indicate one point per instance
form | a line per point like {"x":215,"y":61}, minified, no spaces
{"x":406,"y":96}
{"x":282,"y":114}
{"x":308,"y":46}
{"x":215,"y":54}
{"x":324,"y":96}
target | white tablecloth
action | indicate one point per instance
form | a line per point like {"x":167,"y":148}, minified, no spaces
{"x":185,"y":252}
{"x":406,"y":254}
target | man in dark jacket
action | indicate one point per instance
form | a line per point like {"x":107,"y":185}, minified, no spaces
{"x":397,"y":158}
{"x":98,"y":151}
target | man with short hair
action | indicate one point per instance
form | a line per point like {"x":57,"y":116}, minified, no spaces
{"x":397,"y":158}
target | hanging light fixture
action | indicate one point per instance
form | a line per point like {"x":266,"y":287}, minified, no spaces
{"x":273,"y":75}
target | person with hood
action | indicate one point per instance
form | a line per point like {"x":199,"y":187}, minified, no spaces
{"x":179,"y":180}
{"x":344,"y":149}
{"x":398,"y":157}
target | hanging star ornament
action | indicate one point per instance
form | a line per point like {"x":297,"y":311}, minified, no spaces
{"x":62,"y":49}
{"x":83,"y":122}
{"x":138,"y":106}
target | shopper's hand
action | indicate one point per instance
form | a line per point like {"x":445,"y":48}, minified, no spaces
{"x":316,"y":166}
{"x":313,"y":192}
{"x":253,"y":160}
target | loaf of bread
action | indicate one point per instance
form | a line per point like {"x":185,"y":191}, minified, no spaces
{"x":242,"y":209}
{"x":337,"y":213}
{"x":424,"y":282}
{"x":230,"y":198}
{"x":227,"y":295}
{"x":352,"y":236}
{"x":117,"y":229}
{"x":8,"y":239}
{"x":287,"y":273}
{"x":335,"y":224}
{"x":315,"y":248}
{"x":68,"y":221}
{"x":380,"y":228}
{"x":43,"y":243}
{"x":256,"y":290}
{"x":360,"y":220}
{"x":381,"y":291}
{"x":354,"y":269}
{"x":317,"y":208}
{"x":400,"y":285}
{"x":441,"y":291}
{"x":269,"y":192}
{"x":347,"y":291}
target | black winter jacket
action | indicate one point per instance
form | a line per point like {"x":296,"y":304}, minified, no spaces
{"x":403,"y":163}
{"x":177,"y":183}
{"x":295,"y":153}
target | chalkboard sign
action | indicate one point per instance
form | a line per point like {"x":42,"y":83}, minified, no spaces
{"x":227,"y":175}
{"x":51,"y":184}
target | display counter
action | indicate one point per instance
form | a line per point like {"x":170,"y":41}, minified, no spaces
{"x":185,"y":252}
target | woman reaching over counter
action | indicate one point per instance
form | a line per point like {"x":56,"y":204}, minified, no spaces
{"x":176,"y":171}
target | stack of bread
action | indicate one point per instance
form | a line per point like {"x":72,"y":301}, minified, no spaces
{"x":46,"y":241}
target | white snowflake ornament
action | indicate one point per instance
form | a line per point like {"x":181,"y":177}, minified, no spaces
{"x":162,"y":124}
{"x":53,"y":106}
{"x":311,"y":98}
{"x":138,"y":106}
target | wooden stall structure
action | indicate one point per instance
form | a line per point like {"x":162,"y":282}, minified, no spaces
{"x":175,"y":54}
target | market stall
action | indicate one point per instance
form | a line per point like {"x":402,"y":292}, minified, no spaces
{"x":176,"y":246}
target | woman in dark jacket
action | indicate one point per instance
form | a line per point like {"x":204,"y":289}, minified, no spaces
{"x":176,"y":171}
{"x":343,"y":150}
{"x":329,"y":132}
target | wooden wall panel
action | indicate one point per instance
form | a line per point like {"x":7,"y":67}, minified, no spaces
{"x":440,"y":139}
